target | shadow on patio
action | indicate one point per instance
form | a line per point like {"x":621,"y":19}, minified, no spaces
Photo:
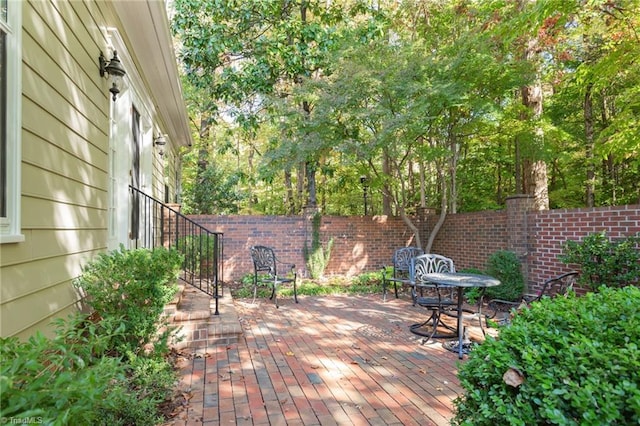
{"x":327,"y":360}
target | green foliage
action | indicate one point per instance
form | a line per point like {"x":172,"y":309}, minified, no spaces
{"x":196,"y":250}
{"x":317,"y":257}
{"x":578,"y":360}
{"x":505,"y":266}
{"x":57,"y":381}
{"x":129,"y":289}
{"x":472,"y":294}
{"x":210,"y":191}
{"x":442,"y":94}
{"x":91,"y":371}
{"x":366,"y":283}
{"x":604,"y":262}
{"x":149,"y":383}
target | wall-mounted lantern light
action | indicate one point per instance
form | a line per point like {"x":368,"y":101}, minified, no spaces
{"x":114,"y":69}
{"x":160,"y":142}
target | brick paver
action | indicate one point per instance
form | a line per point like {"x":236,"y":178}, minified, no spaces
{"x":330,"y":360}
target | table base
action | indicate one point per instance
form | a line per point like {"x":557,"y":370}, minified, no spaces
{"x":454,"y":346}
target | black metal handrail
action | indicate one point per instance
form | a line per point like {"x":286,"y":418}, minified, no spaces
{"x":155,"y":224}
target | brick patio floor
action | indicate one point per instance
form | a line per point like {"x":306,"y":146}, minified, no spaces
{"x":329,"y":360}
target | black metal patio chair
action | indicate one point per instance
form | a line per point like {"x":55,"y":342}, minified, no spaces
{"x":400,"y":269}
{"x":265,"y":266}
{"x":556,"y":286}
{"x":439,"y":300}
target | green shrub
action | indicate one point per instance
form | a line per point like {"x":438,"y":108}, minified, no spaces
{"x":317,"y":257}
{"x":134,"y":401}
{"x":92,"y":372}
{"x":472,"y":294}
{"x":57,"y":381}
{"x":505,"y":266}
{"x":603,"y":261}
{"x":576,"y":358}
{"x":196,"y":249}
{"x":132,"y":286}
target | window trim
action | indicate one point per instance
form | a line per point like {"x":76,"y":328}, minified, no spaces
{"x":10,"y":227}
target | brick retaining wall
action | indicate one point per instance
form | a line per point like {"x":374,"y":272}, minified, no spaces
{"x":359,"y":243}
{"x":549,"y":229}
{"x":367,"y":243}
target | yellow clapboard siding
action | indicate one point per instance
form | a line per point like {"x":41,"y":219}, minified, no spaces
{"x":84,"y":97}
{"x":41,"y":244}
{"x":38,"y":213}
{"x":43,"y":183}
{"x":27,"y":311}
{"x":45,"y":325}
{"x":42,"y":154}
{"x":47,"y":127}
{"x":23,"y":280}
{"x":42,"y":94}
{"x":60,"y":31}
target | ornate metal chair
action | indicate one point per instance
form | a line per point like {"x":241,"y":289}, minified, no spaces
{"x":401,"y":266}
{"x":556,"y":286}
{"x":440,"y":298}
{"x":265,"y":265}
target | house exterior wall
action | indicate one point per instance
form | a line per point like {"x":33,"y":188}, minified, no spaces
{"x":75,"y":140}
{"x":65,"y":113}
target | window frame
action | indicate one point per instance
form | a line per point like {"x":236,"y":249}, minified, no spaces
{"x":10,"y":227}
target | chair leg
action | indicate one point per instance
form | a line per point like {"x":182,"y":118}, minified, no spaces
{"x":274,"y":295}
{"x":295,"y":291}
{"x":255,"y":291}
{"x":395,"y":288}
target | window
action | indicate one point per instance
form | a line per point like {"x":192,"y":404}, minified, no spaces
{"x":10,"y":115}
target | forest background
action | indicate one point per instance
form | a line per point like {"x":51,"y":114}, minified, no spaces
{"x":380,"y":107}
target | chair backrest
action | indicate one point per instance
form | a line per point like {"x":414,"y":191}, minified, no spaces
{"x":402,"y":258}
{"x":264,"y":259}
{"x":559,"y":286}
{"x":428,"y":264}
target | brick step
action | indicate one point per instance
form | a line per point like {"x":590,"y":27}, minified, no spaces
{"x":198,"y":327}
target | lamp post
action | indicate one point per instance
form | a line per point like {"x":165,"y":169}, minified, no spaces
{"x":365,"y":185}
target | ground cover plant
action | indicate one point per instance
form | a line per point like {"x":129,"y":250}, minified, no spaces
{"x":366,"y":283}
{"x":568,"y":360}
{"x":109,"y":367}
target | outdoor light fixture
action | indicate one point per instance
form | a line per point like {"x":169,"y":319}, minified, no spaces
{"x":365,"y":185}
{"x":160,"y":142}
{"x":115,"y":69}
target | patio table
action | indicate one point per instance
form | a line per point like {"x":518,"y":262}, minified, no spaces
{"x":461,"y":281}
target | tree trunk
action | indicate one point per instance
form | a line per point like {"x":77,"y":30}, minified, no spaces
{"x":535,"y":168}
{"x":588,"y":131}
{"x":443,"y":213}
{"x":386,"y":194}
{"x":453,"y":163}
{"x":289,"y":202}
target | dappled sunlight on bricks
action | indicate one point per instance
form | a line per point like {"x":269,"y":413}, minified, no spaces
{"x":327,"y":360}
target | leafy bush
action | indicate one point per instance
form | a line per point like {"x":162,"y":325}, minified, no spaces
{"x":90,"y":373}
{"x":603,"y":261}
{"x":132,"y":287}
{"x":317,"y":257}
{"x":57,"y":381}
{"x":370,"y":282}
{"x":197,"y":249}
{"x":567,"y":360}
{"x":472,"y":294}
{"x":505,"y":266}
